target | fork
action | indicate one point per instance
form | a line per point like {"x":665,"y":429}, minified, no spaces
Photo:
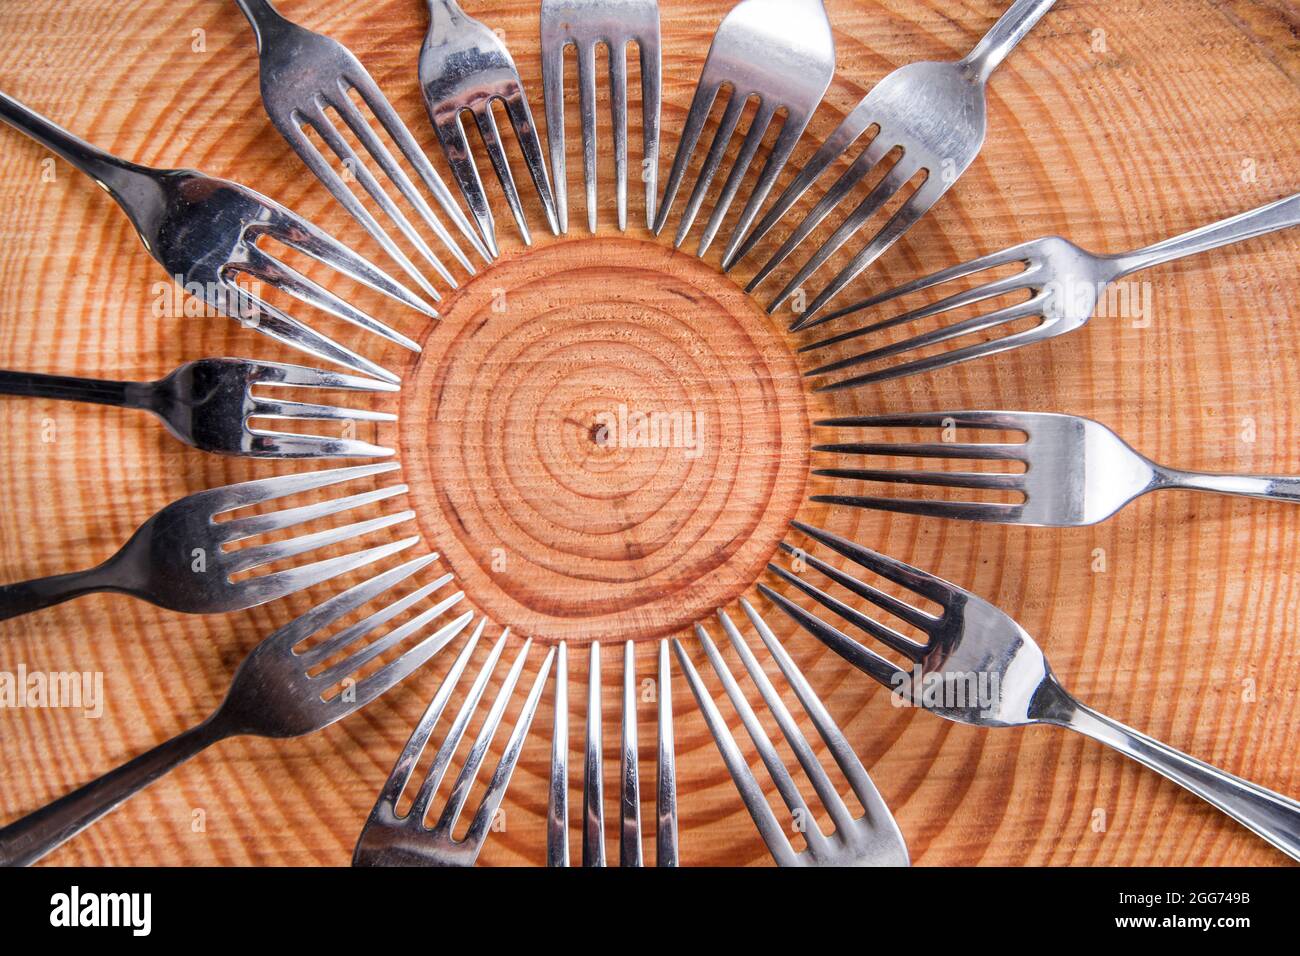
{"x":1077,"y":471}
{"x":208,"y":404}
{"x":180,"y":558}
{"x":870,"y":840}
{"x":278,"y":691}
{"x":464,"y":68}
{"x":1065,"y":284}
{"x":936,"y":114}
{"x":781,"y":52}
{"x":303,"y":76}
{"x":977,"y":666}
{"x":204,"y":232}
{"x":585,"y":25}
{"x":593,"y":790}
{"x":390,"y":839}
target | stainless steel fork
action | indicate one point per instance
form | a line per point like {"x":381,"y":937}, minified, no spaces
{"x":1065,"y":285}
{"x":870,"y":840}
{"x":209,"y":404}
{"x":390,"y":839}
{"x":780,"y":52}
{"x":1077,"y":471}
{"x":593,"y":789}
{"x":304,"y":76}
{"x":204,"y":231}
{"x":934,"y":112}
{"x":278,"y":691}
{"x":465,"y":68}
{"x":975,"y":665}
{"x":586,"y":25}
{"x":180,"y":558}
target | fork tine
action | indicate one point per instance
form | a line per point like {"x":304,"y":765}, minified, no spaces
{"x":230,"y":497}
{"x":478,"y":749}
{"x":451,"y":134}
{"x":521,"y":118}
{"x":914,"y":579}
{"x":262,"y":265}
{"x":593,"y":786}
{"x":319,"y":653}
{"x":257,"y":313}
{"x":919,"y":619}
{"x":844,"y":136}
{"x":249,"y":558}
{"x":487,"y":128}
{"x":717,"y":151}
{"x":274,"y":373}
{"x":881,"y":632}
{"x":372,"y":144}
{"x":278,"y":584}
{"x":863,"y":658}
{"x":894,"y":180}
{"x":329,"y":177}
{"x":1003,"y":421}
{"x":666,"y":791}
{"x":701,"y":107}
{"x":553,"y":105}
{"x":369,"y":90}
{"x":967,"y":510}
{"x":748,"y":147}
{"x":629,"y":846}
{"x":984,"y":451}
{"x":496,"y":789}
{"x":618,"y":126}
{"x":906,"y":216}
{"x":812,"y":767}
{"x":587,"y":111}
{"x":778,"y":844}
{"x":273,"y":444}
{"x":332,"y":675}
{"x":941,"y":479}
{"x":239,"y":528}
{"x":845,"y":756}
{"x":267,"y":408}
{"x":651,"y":94}
{"x":785,"y":143}
{"x":1016,"y":253}
{"x":313,"y":241}
{"x":994,"y":346}
{"x":400,"y":776}
{"x":557,"y":808}
{"x":396,"y":671}
{"x":862,"y":167}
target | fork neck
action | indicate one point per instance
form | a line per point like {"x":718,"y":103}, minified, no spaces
{"x":262,"y":17}
{"x":130,"y":184}
{"x":1003,"y":37}
{"x":445,"y":15}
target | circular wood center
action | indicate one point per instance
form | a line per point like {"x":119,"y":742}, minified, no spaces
{"x":605,"y":439}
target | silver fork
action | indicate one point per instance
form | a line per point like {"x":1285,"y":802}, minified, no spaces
{"x":180,"y":558}
{"x":464,"y":68}
{"x":1077,"y":471}
{"x":278,"y":691}
{"x":934,"y":112}
{"x":208,"y":404}
{"x":1065,"y":285}
{"x":305,"y":74}
{"x":406,"y":840}
{"x":585,"y":25}
{"x":204,"y":231}
{"x":593,"y":790}
{"x":870,"y":840}
{"x":781,"y":52}
{"x":977,"y":666}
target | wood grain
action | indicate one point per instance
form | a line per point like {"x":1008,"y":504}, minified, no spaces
{"x":1115,"y":124}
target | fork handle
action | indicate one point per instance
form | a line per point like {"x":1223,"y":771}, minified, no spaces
{"x":1003,"y":37}
{"x":1273,"y":488}
{"x":70,"y":388}
{"x":123,"y":180}
{"x":24,"y":597}
{"x":1282,"y":214}
{"x":1270,"y":815}
{"x":26,"y":840}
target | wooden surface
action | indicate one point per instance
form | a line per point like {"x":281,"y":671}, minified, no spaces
{"x":1115,"y":124}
